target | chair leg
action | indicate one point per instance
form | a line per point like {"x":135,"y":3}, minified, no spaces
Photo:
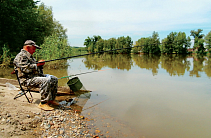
{"x":24,"y":93}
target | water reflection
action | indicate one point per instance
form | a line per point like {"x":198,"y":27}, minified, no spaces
{"x":58,"y":73}
{"x":197,"y":66}
{"x":97,"y":62}
{"x":149,"y":62}
{"x":175,"y":65}
{"x":207,"y":66}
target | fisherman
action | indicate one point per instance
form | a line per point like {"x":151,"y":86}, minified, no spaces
{"x":31,"y":75}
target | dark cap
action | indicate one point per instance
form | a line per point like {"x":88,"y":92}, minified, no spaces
{"x":30,"y":42}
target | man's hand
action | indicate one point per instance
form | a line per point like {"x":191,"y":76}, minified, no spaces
{"x":41,"y":64}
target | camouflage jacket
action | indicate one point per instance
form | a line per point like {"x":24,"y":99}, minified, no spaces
{"x":26,"y":66}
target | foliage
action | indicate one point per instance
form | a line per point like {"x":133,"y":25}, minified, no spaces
{"x":182,"y":43}
{"x":175,"y":43}
{"x":208,"y":41}
{"x":17,"y":20}
{"x":125,"y":44}
{"x":6,"y":58}
{"x":149,"y":44}
{"x":22,"y":20}
{"x":90,"y":43}
{"x":198,"y":40}
{"x":97,"y":44}
{"x":53,"y":48}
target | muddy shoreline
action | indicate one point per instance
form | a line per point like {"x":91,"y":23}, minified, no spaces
{"x":20,"y":119}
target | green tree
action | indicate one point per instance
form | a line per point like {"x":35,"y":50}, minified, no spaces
{"x":164,"y":46}
{"x":146,"y":45}
{"x":181,"y":43}
{"x":198,"y":40}
{"x":99,"y":45}
{"x":154,"y":42}
{"x":149,"y":44}
{"x":90,"y":43}
{"x":140,"y":44}
{"x":47,"y":25}
{"x":208,"y":41}
{"x":18,"y":18}
{"x":124,"y":44}
{"x":22,"y":20}
{"x":175,"y":43}
{"x":110,"y":44}
{"x":170,"y":42}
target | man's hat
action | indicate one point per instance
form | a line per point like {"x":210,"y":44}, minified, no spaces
{"x":30,"y":42}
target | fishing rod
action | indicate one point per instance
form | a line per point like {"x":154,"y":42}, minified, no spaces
{"x":82,"y":73}
{"x":96,"y":53}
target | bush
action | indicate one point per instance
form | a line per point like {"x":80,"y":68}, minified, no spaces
{"x":5,"y":58}
{"x":54,"y":48}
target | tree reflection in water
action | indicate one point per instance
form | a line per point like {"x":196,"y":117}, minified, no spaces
{"x":174,"y":64}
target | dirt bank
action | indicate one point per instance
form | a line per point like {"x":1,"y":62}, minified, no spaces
{"x":20,"y":119}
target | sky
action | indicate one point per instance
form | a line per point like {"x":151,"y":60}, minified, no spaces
{"x":134,"y":18}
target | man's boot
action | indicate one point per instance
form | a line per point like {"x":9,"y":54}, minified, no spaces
{"x":45,"y":107}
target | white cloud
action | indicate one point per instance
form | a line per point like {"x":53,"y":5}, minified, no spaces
{"x":120,"y":17}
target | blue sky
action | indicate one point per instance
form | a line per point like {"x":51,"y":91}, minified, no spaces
{"x":134,"y":18}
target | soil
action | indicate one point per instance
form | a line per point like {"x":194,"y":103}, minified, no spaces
{"x":13,"y":113}
{"x":21,"y":119}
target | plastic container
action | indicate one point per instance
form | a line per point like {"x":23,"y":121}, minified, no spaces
{"x":75,"y":84}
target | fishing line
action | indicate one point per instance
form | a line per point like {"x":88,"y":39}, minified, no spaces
{"x":95,"y":105}
{"x":82,"y":73}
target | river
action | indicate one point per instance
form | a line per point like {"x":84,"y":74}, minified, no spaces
{"x":143,"y":96}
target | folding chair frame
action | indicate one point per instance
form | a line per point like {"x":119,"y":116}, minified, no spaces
{"x":24,"y":92}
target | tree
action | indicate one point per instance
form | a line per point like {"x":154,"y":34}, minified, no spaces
{"x":208,"y":41}
{"x":140,"y":44}
{"x":124,"y":44}
{"x":154,"y":43}
{"x":175,"y":43}
{"x":47,"y":25}
{"x":90,"y":43}
{"x":149,"y":44}
{"x":99,"y":45}
{"x":198,"y":40}
{"x":17,"y":20}
{"x":110,"y":44}
{"x":22,"y":20}
{"x":181,"y":43}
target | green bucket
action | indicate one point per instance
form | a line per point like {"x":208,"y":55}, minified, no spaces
{"x":75,"y":84}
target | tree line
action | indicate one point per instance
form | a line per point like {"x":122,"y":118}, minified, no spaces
{"x":97,"y":44}
{"x":174,"y":43}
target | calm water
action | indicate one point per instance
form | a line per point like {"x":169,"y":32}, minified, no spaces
{"x":144,"y":95}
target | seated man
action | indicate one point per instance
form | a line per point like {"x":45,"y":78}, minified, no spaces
{"x":31,"y":75}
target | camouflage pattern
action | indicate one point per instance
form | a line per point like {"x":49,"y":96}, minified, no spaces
{"x":31,"y":76}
